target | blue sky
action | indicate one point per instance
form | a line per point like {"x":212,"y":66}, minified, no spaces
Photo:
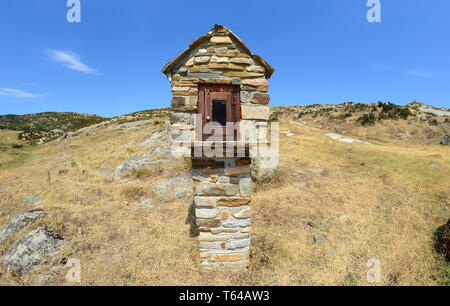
{"x":324,"y":51}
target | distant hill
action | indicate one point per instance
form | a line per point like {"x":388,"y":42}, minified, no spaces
{"x":415,"y":122}
{"x":35,"y":126}
{"x":48,"y":121}
{"x":47,"y":126}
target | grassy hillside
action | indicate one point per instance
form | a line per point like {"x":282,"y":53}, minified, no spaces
{"x":48,"y":126}
{"x":35,"y":126}
{"x":385,"y":122}
{"x":332,"y":206}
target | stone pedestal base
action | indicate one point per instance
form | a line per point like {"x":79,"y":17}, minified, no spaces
{"x":222,"y":210}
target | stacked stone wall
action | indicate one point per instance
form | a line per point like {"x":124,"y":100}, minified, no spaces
{"x":222,"y":185}
{"x":222,"y":208}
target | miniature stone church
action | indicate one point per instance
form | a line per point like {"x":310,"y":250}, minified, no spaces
{"x":220,"y":113}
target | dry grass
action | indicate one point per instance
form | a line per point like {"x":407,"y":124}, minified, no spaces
{"x":381,"y":200}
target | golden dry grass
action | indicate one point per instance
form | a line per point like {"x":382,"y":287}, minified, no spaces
{"x":379,"y":201}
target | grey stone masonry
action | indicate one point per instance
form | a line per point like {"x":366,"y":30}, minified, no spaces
{"x":222,"y":184}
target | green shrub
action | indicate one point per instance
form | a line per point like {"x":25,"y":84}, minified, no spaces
{"x":369,"y":119}
{"x":391,"y":111}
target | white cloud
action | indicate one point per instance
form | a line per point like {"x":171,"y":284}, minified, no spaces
{"x":420,"y":72}
{"x":70,"y":60}
{"x":17,"y":93}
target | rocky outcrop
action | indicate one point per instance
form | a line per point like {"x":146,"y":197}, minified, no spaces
{"x":178,"y":188}
{"x":159,"y":152}
{"x":157,"y":137}
{"x":25,"y":254}
{"x":18,"y":223}
{"x":32,"y":200}
{"x":446,"y":140}
{"x":133,"y":163}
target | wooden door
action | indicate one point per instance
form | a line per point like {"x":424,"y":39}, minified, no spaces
{"x":217,"y":105}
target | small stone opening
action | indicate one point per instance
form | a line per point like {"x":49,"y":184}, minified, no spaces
{"x":219,"y":112}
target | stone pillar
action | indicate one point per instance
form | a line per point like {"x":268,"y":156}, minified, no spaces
{"x":222,"y":209}
{"x":222,"y":185}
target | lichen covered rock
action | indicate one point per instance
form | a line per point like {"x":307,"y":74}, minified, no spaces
{"x":25,"y":254}
{"x":18,"y":223}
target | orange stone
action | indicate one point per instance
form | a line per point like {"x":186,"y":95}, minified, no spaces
{"x":246,"y":230}
{"x":229,"y":257}
{"x":233,"y":202}
{"x":256,"y":82}
{"x":225,"y":215}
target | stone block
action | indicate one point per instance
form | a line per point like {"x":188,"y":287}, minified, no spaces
{"x":210,"y":245}
{"x":237,"y":244}
{"x":255,"y":112}
{"x":246,"y":230}
{"x":237,"y":223}
{"x":260,"y":98}
{"x":229,"y":257}
{"x":192,"y":100}
{"x":221,"y":40}
{"x":241,"y":60}
{"x":208,"y":237}
{"x":218,"y":59}
{"x":243,"y":214}
{"x":216,"y":189}
{"x":236,"y":171}
{"x":225,"y":214}
{"x":233,"y":201}
{"x":256,"y":82}
{"x":201,"y":59}
{"x":263,"y":88}
{"x":206,"y":213}
{"x":245,"y":96}
{"x":178,"y":101}
{"x":255,"y":69}
{"x":189,"y":62}
{"x":176,"y":89}
{"x":208,"y":202}
{"x":208,"y":222}
{"x":223,"y":230}
{"x":242,"y":74}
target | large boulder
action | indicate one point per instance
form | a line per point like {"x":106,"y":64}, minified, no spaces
{"x":25,"y":254}
{"x":18,"y":223}
{"x":446,"y":140}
